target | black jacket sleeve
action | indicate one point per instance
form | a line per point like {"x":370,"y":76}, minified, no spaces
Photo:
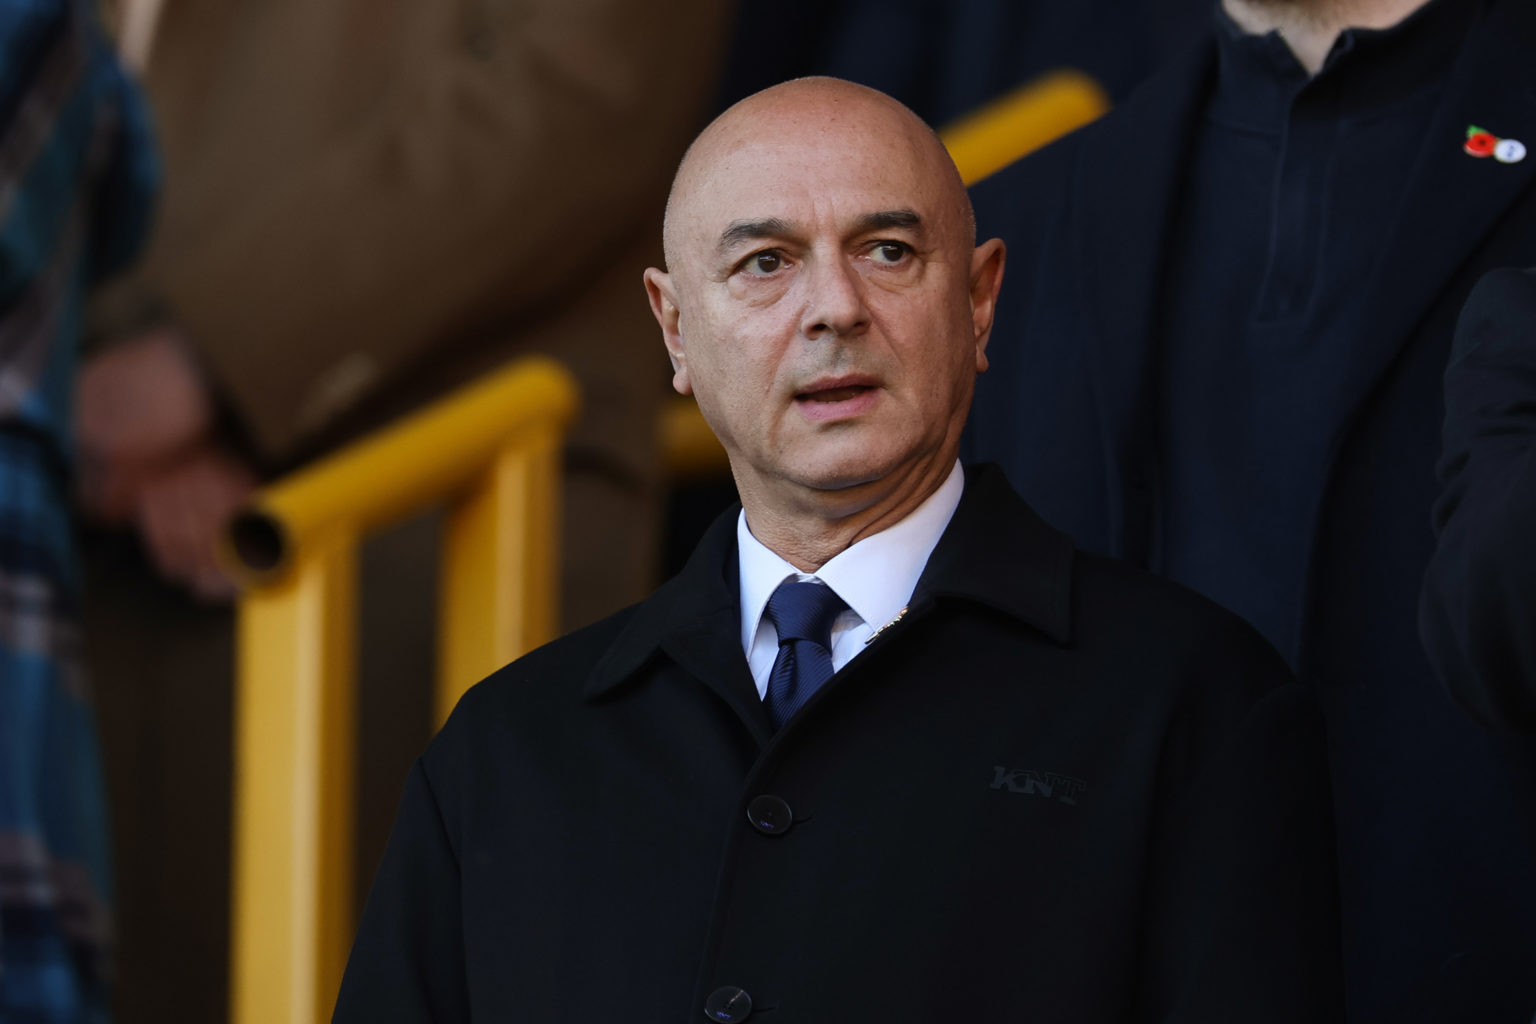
{"x":1242,"y":915}
{"x":407,"y":965}
{"x":1478,"y":610}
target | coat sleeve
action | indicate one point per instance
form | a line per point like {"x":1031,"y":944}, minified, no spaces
{"x":1242,"y":905}
{"x":407,"y":964}
{"x":1479,"y":596}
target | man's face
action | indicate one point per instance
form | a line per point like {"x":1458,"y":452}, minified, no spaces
{"x":823,"y":303}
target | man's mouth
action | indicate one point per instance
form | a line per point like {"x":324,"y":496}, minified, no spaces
{"x":837,"y":394}
{"x":833,"y":399}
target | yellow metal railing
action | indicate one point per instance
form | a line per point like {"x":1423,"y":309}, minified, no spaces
{"x":981,"y":144}
{"x":492,"y":452}
{"x":1020,"y":122}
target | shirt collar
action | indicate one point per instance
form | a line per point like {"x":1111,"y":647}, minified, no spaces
{"x":996,"y":552}
{"x":1259,"y":79}
{"x":874,"y":576}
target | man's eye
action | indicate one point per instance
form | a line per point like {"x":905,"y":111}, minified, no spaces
{"x":764,"y":262}
{"x":890,"y":252}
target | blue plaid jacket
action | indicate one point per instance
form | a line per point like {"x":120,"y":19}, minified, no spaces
{"x":77,"y":172}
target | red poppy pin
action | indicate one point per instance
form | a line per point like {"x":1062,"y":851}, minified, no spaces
{"x":1483,"y":143}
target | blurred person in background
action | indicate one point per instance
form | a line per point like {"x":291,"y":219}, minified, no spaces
{"x":1478,"y":612}
{"x":77,"y":175}
{"x":1219,"y":354}
{"x":367,"y":203}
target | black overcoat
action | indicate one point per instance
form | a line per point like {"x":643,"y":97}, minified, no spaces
{"x":1057,"y":790}
{"x":1436,"y":818}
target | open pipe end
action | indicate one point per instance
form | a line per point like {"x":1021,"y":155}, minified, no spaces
{"x":258,"y":542}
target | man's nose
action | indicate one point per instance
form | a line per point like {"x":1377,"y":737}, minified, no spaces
{"x":834,"y":303}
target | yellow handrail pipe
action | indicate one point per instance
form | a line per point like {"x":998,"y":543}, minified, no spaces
{"x":492,"y":454}
{"x":389,"y":475}
{"x":1020,"y":122}
{"x":981,"y":144}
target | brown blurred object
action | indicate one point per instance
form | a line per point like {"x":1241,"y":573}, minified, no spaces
{"x":367,"y":203}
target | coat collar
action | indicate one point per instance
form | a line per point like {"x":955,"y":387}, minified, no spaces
{"x":693,"y":618}
{"x":995,"y":552}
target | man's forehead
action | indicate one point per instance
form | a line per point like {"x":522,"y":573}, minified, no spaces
{"x":798,"y":183}
{"x":877,"y":151}
{"x":815,"y":150}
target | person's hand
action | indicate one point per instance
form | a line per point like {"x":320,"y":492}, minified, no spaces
{"x":144,"y":426}
{"x":181,"y":512}
{"x":139,"y":407}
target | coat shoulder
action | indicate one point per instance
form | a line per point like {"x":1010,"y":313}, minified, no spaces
{"x":551,"y":674}
{"x":1171,"y":628}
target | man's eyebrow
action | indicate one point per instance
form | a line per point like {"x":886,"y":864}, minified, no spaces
{"x":776,"y":227}
{"x":751,"y":230}
{"x":884,"y":220}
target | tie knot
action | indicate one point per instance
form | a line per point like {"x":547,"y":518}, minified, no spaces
{"x":804,"y":611}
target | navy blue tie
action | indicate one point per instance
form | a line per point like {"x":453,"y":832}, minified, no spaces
{"x":802,"y":613}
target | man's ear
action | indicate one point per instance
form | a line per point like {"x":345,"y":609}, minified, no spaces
{"x":658,"y":287}
{"x":986,"y":279}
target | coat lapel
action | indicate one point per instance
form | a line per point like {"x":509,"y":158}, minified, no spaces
{"x":1453,"y":200}
{"x":709,"y":649}
{"x":693,"y":619}
{"x":1126,"y":189}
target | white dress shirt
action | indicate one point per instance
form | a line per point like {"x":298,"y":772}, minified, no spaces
{"x":874,"y":577}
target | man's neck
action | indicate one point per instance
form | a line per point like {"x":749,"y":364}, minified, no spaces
{"x":1310,"y":27}
{"x":808,"y":535}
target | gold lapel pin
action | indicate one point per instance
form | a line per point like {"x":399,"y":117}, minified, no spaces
{"x":871,"y":638}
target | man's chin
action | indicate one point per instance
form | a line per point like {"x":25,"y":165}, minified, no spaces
{"x":843,"y":473}
{"x":853,"y":482}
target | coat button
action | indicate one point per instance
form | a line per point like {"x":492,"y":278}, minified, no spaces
{"x":770,"y":815}
{"x":728,"y":1003}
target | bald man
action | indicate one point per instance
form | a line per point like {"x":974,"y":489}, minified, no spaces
{"x":888,"y":748}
